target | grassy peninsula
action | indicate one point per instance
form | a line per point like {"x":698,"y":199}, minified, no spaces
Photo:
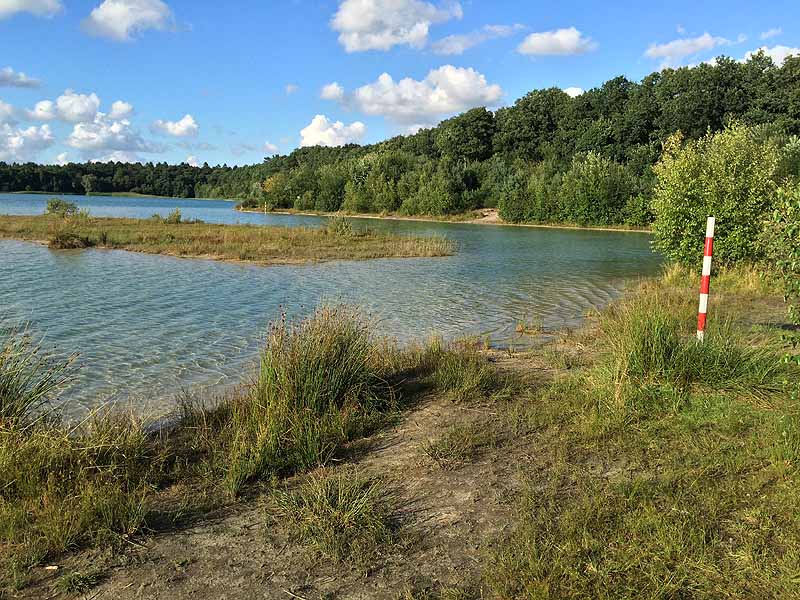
{"x":246,"y":243}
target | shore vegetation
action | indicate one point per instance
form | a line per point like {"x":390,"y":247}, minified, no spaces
{"x":66,"y":228}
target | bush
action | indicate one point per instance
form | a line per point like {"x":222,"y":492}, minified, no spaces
{"x":339,"y":226}
{"x":61,"y":208}
{"x":174,"y":217}
{"x":69,"y":240}
{"x":595,"y":191}
{"x":729,"y":175}
{"x":783,"y":246}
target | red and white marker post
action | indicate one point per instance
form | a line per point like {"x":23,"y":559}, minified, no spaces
{"x":705,"y":280}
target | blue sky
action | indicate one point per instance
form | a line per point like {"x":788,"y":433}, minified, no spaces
{"x":180,"y":80}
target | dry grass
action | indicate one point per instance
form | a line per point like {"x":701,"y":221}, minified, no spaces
{"x":246,"y":243}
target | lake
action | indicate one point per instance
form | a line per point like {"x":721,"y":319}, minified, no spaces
{"x":147,"y":327}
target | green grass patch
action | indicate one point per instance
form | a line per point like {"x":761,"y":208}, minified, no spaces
{"x":343,"y":515}
{"x":174,"y":236}
{"x":460,"y":444}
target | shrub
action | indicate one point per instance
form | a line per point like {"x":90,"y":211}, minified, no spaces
{"x":729,"y":175}
{"x":65,"y":239}
{"x":595,"y":191}
{"x":61,"y":208}
{"x":339,"y":226}
{"x":783,"y":246}
{"x":174,"y":217}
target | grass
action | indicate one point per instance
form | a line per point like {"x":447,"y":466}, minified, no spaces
{"x":247,"y":243}
{"x":77,"y":582}
{"x":345,"y":516}
{"x":460,"y":444}
{"x":672,"y":465}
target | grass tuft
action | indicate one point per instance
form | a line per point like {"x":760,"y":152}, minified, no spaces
{"x":459,"y":444}
{"x":345,"y":515}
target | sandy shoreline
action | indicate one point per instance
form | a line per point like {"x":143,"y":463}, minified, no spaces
{"x":488,"y":217}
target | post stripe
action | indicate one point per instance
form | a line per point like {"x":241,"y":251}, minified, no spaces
{"x":705,"y":280}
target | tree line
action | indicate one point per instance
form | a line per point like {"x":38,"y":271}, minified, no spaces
{"x":548,"y":158}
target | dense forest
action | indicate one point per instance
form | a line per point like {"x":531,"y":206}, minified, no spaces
{"x":548,"y":158}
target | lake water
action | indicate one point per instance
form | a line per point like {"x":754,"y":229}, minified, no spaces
{"x":147,"y":326}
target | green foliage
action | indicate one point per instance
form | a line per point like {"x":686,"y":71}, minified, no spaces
{"x":340,"y":226}
{"x":317,"y":387}
{"x":61,"y":208}
{"x":728,"y":175}
{"x":344,"y":516}
{"x":29,"y":377}
{"x":515,"y":159}
{"x":595,"y":191}
{"x":783,"y":243}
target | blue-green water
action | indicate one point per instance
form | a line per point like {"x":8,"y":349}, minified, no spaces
{"x":148,"y":326}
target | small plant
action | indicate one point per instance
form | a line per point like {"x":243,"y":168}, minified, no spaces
{"x":173,"y":218}
{"x":29,"y":377}
{"x":66,"y":239}
{"x":61,"y":208}
{"x":77,"y":582}
{"x":464,"y":374}
{"x":340,"y":226}
{"x":459,"y":444}
{"x":345,"y":516}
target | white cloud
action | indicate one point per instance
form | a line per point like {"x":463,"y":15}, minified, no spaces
{"x":561,"y":42}
{"x":777,"y":53}
{"x":322,"y":132}
{"x":77,"y":108}
{"x":573,"y":91}
{"x":770,"y":33}
{"x":192,"y":161}
{"x":39,"y":8}
{"x":105,"y":137}
{"x":458,"y":44}
{"x":444,"y":91}
{"x":381,"y":24}
{"x":271,"y":148}
{"x":673,"y":52}
{"x":118,"y":156}
{"x":62,"y":159}
{"x":70,"y":107}
{"x":291,"y":88}
{"x":122,"y":20}
{"x":20,"y":145}
{"x":332,"y":91}
{"x":7,"y":113}
{"x":186,"y":127}
{"x":11,"y":78}
{"x":120,"y":110}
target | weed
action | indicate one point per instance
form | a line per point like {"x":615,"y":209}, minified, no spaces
{"x":459,"y":444}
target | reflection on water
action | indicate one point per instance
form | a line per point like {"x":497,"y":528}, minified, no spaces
{"x":147,"y":326}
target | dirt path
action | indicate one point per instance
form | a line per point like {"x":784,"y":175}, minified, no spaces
{"x":448,"y":518}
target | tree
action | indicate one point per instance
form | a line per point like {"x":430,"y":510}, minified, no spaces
{"x":729,"y":175}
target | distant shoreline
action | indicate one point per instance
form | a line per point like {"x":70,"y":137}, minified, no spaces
{"x":114,"y":195}
{"x":492,"y":219}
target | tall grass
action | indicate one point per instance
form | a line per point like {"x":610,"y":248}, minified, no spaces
{"x":29,"y":377}
{"x":651,"y":343}
{"x":319,"y":385}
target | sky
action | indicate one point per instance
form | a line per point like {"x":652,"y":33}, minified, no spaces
{"x":232,"y":82}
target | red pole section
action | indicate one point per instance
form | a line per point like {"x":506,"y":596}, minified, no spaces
{"x":705,"y":280}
